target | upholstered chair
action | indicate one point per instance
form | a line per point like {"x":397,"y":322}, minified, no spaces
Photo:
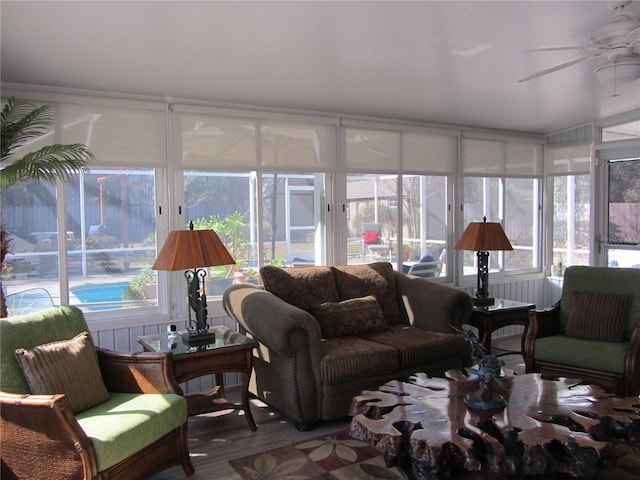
{"x":593,"y":333}
{"x":73,"y":411}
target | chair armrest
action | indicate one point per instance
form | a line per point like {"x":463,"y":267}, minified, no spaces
{"x":278,"y":325}
{"x":144,"y":372}
{"x":41,"y":438}
{"x":542,"y":323}
{"x":432,"y":306}
{"x":632,"y":364}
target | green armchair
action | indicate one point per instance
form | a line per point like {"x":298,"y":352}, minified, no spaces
{"x":592,"y":333}
{"x":137,"y":427}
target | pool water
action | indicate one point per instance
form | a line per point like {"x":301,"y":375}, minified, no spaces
{"x":109,"y":292}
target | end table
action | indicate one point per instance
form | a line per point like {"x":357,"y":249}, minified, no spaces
{"x":489,"y":318}
{"x":231,"y":352}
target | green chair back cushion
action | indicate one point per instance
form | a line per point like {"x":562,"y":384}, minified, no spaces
{"x":29,"y":331}
{"x":128,"y":422}
{"x":601,"y":280}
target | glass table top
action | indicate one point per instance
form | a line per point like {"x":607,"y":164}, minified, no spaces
{"x":502,"y":304}
{"x":163,"y":342}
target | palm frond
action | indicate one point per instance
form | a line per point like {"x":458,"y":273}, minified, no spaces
{"x":48,"y":164}
{"x":21,"y":122}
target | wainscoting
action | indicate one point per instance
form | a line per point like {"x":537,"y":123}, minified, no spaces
{"x":541,"y":291}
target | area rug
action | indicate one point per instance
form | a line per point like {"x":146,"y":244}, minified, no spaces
{"x":329,"y":457}
{"x":338,"y":456}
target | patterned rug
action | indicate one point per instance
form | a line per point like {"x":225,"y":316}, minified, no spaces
{"x":338,"y":456}
{"x":329,"y":457}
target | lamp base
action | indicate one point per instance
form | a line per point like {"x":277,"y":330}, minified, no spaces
{"x":198,"y":339}
{"x":483,"y":301}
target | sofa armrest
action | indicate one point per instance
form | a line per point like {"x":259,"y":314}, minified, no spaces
{"x":632,"y":364}
{"x":542,"y":323}
{"x":144,"y":372}
{"x":272,"y":321}
{"x":432,"y":306}
{"x":41,"y":438}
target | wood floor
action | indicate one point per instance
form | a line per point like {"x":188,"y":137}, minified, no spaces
{"x":214,"y":439}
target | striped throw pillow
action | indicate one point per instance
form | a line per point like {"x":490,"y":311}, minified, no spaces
{"x":67,"y":366}
{"x":599,"y":316}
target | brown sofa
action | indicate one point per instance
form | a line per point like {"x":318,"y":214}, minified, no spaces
{"x":322,"y":340}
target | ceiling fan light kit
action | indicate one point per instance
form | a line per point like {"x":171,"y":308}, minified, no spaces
{"x":619,"y":70}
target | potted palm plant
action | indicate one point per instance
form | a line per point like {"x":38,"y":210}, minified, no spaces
{"x":21,"y":123}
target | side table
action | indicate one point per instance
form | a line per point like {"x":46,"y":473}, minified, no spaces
{"x":489,"y":318}
{"x":231,"y":352}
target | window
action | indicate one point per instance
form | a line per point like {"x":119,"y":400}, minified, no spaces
{"x":623,"y":225}
{"x":409,"y":212}
{"x":569,"y":197}
{"x":108,"y":216}
{"x":502,"y":183}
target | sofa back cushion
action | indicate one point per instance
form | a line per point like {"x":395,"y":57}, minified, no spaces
{"x":303,"y":287}
{"x":30,"y":330}
{"x":599,"y":316}
{"x":601,"y":280}
{"x":377,"y":279}
{"x":356,"y":316}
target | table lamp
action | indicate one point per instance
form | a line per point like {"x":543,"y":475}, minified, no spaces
{"x":483,"y":237}
{"x":192,"y":250}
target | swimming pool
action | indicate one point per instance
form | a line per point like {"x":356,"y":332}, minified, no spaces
{"x":107,"y":292}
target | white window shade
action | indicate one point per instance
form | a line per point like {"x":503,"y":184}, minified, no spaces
{"x":367,"y":150}
{"x":429,"y":153}
{"x":489,"y":158}
{"x":117,"y":136}
{"x":568,"y":159}
{"x":205,"y":142}
{"x":297,"y":146}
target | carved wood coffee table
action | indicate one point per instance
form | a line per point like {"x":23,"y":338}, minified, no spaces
{"x":548,"y":426}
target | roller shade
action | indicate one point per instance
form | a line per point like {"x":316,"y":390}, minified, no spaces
{"x":568,"y":159}
{"x":388,"y":150}
{"x":117,"y":136}
{"x":429,"y":153}
{"x":208,"y":142}
{"x":496,"y":157}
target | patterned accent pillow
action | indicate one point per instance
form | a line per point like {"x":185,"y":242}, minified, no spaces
{"x":599,"y":316}
{"x":67,"y":366}
{"x":304,"y":287}
{"x":351,"y":317}
{"x":355,"y":281}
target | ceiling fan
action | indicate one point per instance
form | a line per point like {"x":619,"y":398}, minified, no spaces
{"x":614,"y":41}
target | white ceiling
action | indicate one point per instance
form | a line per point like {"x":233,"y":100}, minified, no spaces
{"x":451,"y":62}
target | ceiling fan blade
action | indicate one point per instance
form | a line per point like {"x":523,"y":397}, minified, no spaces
{"x":556,"y":68}
{"x":573,"y":47}
{"x":633,"y":36}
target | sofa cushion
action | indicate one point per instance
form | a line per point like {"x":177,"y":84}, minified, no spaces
{"x":356,"y":316}
{"x":416,"y":346}
{"x":578,"y":352}
{"x":304,"y":287}
{"x":599,"y":316}
{"x":67,"y":366}
{"x":354,"y":281}
{"x":348,"y":358}
{"x":128,"y":422}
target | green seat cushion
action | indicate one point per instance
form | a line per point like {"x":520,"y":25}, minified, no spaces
{"x":579,"y":352}
{"x":128,"y":422}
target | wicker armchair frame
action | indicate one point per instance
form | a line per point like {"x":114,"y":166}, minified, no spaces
{"x":41,"y":437}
